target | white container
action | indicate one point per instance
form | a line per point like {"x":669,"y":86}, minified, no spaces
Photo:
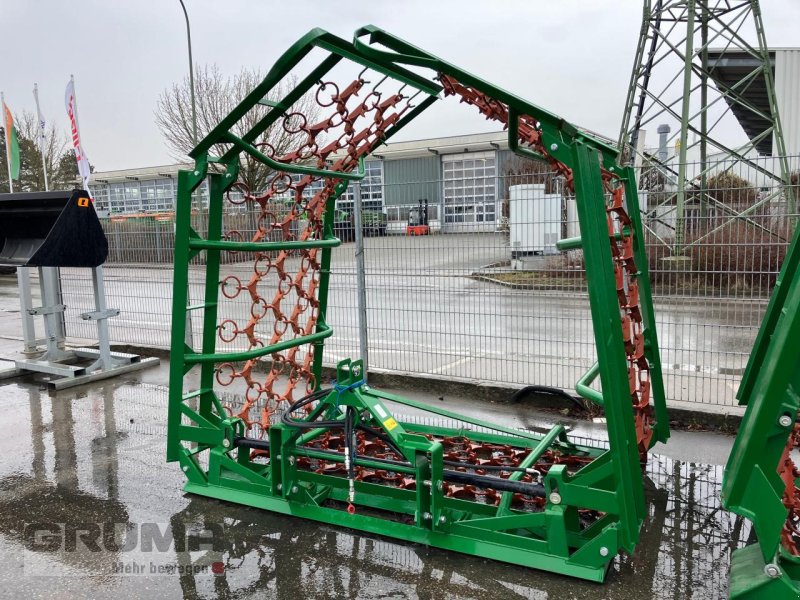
{"x":534,"y":220}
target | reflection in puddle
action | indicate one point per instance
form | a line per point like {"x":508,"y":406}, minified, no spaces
{"x":100,"y":458}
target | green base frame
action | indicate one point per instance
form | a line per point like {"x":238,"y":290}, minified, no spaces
{"x":550,"y":539}
{"x":751,"y":580}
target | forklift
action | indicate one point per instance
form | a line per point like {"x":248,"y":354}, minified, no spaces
{"x":418,"y":219}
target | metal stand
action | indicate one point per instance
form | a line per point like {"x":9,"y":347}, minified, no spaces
{"x":26,"y":305}
{"x":55,"y":358}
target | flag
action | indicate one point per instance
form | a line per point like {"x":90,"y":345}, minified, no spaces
{"x":42,"y":123}
{"x":12,"y":144}
{"x":80,"y":155}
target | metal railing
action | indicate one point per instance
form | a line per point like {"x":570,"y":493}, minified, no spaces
{"x":493,"y":300}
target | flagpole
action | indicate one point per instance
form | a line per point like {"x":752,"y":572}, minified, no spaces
{"x":8,"y":149}
{"x":42,"y":136}
{"x":75,"y":108}
{"x":77,"y":120}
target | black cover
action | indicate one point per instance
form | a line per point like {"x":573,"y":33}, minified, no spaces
{"x":51,"y":229}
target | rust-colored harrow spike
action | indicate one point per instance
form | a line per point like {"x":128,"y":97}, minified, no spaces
{"x":621,"y":239}
{"x":787,"y":469}
{"x":473,"y":454}
{"x":351,"y":130}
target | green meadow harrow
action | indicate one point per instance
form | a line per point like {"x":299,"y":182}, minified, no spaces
{"x":347,"y":454}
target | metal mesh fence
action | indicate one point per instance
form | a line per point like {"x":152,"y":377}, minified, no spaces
{"x":487,"y":296}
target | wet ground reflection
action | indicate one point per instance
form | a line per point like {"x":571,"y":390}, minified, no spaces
{"x":99,"y":458}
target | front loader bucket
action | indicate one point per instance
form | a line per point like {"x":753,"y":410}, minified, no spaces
{"x":50,"y":229}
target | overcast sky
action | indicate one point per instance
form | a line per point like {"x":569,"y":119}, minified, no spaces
{"x":570,"y":56}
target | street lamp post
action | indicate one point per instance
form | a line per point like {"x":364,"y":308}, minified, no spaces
{"x":189,"y":338}
{"x":191,"y":74}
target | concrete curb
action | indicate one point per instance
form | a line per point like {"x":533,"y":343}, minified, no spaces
{"x":683,"y":415}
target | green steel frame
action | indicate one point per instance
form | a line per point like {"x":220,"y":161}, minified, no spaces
{"x":552,"y":539}
{"x":752,"y":486}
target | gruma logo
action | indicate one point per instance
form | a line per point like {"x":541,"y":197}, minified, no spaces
{"x":119,"y":549}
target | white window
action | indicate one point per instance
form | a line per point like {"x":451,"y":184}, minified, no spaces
{"x":371,"y":189}
{"x":116,"y":195}
{"x":469,"y":187}
{"x":100,"y":195}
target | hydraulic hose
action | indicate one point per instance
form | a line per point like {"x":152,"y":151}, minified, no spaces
{"x":545,"y":389}
{"x":482,"y":481}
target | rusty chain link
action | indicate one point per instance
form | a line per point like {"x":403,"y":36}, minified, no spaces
{"x":789,"y":473}
{"x":619,"y":226}
{"x":351,"y":131}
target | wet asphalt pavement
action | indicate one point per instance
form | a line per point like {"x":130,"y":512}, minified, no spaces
{"x":427,"y":316}
{"x":92,"y":455}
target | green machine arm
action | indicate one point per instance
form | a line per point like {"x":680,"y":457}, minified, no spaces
{"x":760,"y":477}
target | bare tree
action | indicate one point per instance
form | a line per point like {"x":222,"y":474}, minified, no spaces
{"x":216,"y":96}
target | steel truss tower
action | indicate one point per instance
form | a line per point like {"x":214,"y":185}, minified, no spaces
{"x":700,"y":65}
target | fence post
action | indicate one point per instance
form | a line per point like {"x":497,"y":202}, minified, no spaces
{"x":360,"y":277}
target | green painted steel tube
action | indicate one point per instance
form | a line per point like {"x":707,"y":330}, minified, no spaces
{"x":198,"y":244}
{"x":751,"y":485}
{"x":282,"y":106}
{"x":451,"y":415}
{"x":528,"y":462}
{"x":540,"y":449}
{"x":602,"y":287}
{"x":361,"y":461}
{"x":324,"y":281}
{"x":402,"y":52}
{"x":321,"y":334}
{"x":583,"y":389}
{"x":348,"y":50}
{"x":310,"y":436}
{"x":316,"y":38}
{"x":659,"y":399}
{"x":574,"y":243}
{"x":790,"y":271}
{"x":217,"y":184}
{"x":507,"y":548}
{"x":187,"y":183}
{"x":508,"y":486}
{"x":290,"y":168}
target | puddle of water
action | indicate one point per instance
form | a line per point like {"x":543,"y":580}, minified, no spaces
{"x":99,"y":458}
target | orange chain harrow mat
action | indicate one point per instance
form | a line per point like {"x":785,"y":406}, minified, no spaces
{"x":356,"y":119}
{"x":620,"y":232}
{"x":787,"y":469}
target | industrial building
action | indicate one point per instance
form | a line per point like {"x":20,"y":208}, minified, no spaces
{"x":730,"y":69}
{"x":458,"y":176}
{"x":464,"y":178}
